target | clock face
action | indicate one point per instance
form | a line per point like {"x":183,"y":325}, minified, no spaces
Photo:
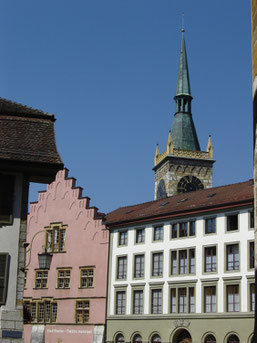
{"x":189,"y":183}
{"x":161,"y":191}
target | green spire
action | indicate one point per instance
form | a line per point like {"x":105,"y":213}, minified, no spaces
{"x":183,"y":130}
{"x":183,"y":84}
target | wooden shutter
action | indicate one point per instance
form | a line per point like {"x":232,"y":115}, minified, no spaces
{"x":4,"y":272}
{"x":6,"y":197}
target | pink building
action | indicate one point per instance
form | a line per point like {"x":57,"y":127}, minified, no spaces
{"x":65,"y":303}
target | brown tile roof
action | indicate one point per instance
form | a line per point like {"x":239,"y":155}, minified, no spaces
{"x":211,"y":199}
{"x":27,"y":136}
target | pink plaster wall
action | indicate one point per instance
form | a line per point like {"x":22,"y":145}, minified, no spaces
{"x":86,"y":245}
{"x":64,"y":334}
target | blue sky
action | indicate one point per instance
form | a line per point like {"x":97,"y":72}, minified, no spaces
{"x":107,"y":69}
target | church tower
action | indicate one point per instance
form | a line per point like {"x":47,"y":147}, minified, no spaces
{"x":182,"y":167}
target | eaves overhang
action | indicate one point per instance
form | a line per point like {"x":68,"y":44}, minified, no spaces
{"x":176,"y":214}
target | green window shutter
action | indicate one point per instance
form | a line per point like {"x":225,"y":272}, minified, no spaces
{"x":4,"y":272}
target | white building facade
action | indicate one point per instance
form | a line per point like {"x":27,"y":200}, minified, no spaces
{"x":188,"y":277}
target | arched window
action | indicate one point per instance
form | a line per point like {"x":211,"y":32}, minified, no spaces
{"x":210,"y":339}
{"x":233,"y":339}
{"x":120,"y":338}
{"x":156,"y":339}
{"x":137,"y":339}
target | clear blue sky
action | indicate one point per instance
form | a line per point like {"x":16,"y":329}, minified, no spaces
{"x":107,"y":69}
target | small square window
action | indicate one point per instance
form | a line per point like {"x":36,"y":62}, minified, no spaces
{"x":158,"y":233}
{"x":192,"y":228}
{"x":41,"y":279}
{"x":232,"y":222}
{"x":86,"y":277}
{"x":63,"y":278}
{"x":183,"y":229}
{"x":123,"y":238}
{"x":140,"y":235}
{"x":210,"y":225}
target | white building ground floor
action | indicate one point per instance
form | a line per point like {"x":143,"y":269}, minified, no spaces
{"x":207,"y":328}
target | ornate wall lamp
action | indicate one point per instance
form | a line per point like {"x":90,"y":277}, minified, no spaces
{"x":44,"y":258}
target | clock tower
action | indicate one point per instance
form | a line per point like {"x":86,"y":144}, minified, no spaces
{"x":182,"y":167}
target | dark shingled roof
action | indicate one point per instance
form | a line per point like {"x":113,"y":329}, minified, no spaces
{"x":211,"y":199}
{"x":27,"y":136}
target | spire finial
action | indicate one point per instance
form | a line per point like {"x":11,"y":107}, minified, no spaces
{"x":183,"y":28}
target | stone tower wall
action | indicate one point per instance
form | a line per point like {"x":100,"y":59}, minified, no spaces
{"x":173,"y":170}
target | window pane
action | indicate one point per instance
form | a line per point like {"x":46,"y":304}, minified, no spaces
{"x":174,"y":230}
{"x":174,"y":262}
{"x":182,"y":300}
{"x":192,"y":228}
{"x":139,"y":266}
{"x":120,"y":302}
{"x":158,"y":233}
{"x":156,"y":301}
{"x":122,"y":267}
{"x":182,"y":229}
{"x":157,"y":264}
{"x":140,"y":235}
{"x":173,"y":300}
{"x":232,"y":222}
{"x":182,"y":261}
{"x":138,"y":302}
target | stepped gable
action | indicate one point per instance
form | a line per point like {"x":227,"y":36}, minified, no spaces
{"x":234,"y":195}
{"x":63,"y":202}
{"x":27,"y":139}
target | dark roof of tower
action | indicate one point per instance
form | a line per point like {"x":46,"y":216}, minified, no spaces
{"x":183,"y":132}
{"x":219,"y":198}
{"x":27,"y":140}
{"x":183,"y":84}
